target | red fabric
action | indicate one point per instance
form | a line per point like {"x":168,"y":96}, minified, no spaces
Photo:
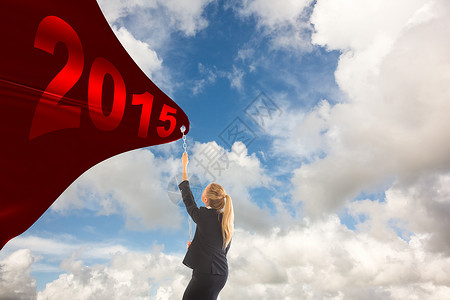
{"x":70,"y":97}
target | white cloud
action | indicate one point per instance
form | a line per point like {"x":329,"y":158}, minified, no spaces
{"x":238,"y":172}
{"x":57,"y":247}
{"x":15,"y":279}
{"x":235,"y":78}
{"x":300,"y":134}
{"x":394,"y":69}
{"x":297,"y":263}
{"x":133,"y":184}
{"x":185,"y":16}
{"x":141,"y":53}
{"x":288,"y":264}
{"x":417,"y":206}
{"x":52,"y":247}
{"x":283,"y":21}
{"x":146,"y":58}
{"x":357,"y":25}
{"x":283,"y":263}
{"x":145,"y":27}
{"x":271,"y":13}
{"x":48,"y":252}
{"x":396,"y":79}
{"x":211,"y":74}
{"x":131,"y":275}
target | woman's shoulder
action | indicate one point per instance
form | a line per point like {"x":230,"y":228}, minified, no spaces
{"x":208,"y":211}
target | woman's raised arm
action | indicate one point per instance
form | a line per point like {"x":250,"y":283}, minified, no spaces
{"x":185,"y":161}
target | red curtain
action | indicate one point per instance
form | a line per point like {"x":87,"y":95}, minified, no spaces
{"x":70,"y":97}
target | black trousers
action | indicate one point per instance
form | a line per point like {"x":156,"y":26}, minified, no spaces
{"x":204,"y":286}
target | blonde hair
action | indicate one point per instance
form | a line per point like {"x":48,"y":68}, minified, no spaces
{"x":218,"y":199}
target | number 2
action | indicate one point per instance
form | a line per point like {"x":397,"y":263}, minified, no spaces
{"x":49,"y":116}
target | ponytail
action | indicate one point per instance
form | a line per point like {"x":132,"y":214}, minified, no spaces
{"x":218,"y":199}
{"x":227,"y":222}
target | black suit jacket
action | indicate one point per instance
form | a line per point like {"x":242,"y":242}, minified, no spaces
{"x":205,"y":253}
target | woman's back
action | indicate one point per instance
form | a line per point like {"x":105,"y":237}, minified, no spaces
{"x":207,"y":253}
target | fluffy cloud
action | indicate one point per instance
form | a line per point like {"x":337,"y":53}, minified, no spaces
{"x":133,"y":184}
{"x":145,"y":57}
{"x":335,"y":22}
{"x":211,"y":74}
{"x":298,"y":134}
{"x":311,"y":260}
{"x":413,"y":207}
{"x":325,"y":260}
{"x":141,"y":53}
{"x":238,"y":173}
{"x":185,"y":16}
{"x":389,"y":134}
{"x":57,"y":247}
{"x":285,"y":22}
{"x":144,"y":29}
{"x":15,"y":279}
{"x":392,"y":123}
{"x":130,"y":275}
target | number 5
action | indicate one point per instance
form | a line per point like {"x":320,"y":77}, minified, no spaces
{"x":162,"y":132}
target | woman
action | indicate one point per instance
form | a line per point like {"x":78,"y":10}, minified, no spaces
{"x":207,"y":254}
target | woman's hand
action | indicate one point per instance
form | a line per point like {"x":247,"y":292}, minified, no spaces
{"x":185,"y":159}
{"x":188,"y":244}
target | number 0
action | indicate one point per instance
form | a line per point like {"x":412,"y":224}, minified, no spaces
{"x":101,"y":67}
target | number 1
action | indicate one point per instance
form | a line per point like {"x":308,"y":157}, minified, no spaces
{"x":146,"y":100}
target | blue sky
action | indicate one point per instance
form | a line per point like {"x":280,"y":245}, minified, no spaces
{"x":346,"y":180}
